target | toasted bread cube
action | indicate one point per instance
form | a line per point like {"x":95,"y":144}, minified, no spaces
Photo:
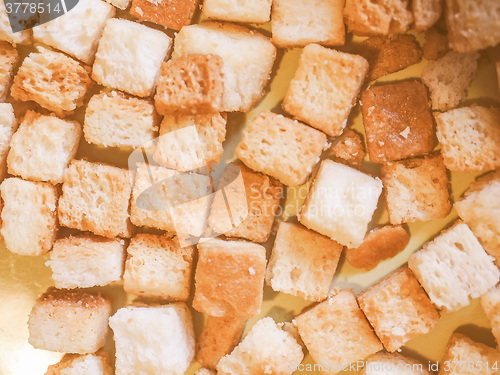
{"x":118,"y":120}
{"x":349,"y":148}
{"x":42,"y":147}
{"x":490,"y":302}
{"x":84,"y":261}
{"x":336,"y":332}
{"x":453,"y":268}
{"x":173,"y":14}
{"x":248,"y":59}
{"x":229,"y":278}
{"x":218,"y":338}
{"x":340,"y":203}
{"x":470,"y":138}
{"x":393,"y":364}
{"x":296,"y":23}
{"x":435,"y":45}
{"x":129,"y":57}
{"x":153,"y":340}
{"x":70,"y":321}
{"x":8,"y":60}
{"x":29,"y":221}
{"x":426,"y":13}
{"x":398,"y":309}
{"x":249,"y":11}
{"x":53,"y":80}
{"x":325,"y":87}
{"x":498,"y":72}
{"x":6,"y":32}
{"x":8,"y":125}
{"x":302,"y":262}
{"x":157,"y":267}
{"x":95,"y":197}
{"x":281,"y":147}
{"x":266,"y":348}
{"x":416,"y":189}
{"x":120,"y":4}
{"x":85,"y":364}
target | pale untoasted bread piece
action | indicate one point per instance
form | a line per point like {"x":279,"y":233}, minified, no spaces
{"x":349,"y":148}
{"x":250,"y":11}
{"x":8,"y":125}
{"x":426,"y":13}
{"x":393,"y":364}
{"x":490,"y":302}
{"x":435,"y":45}
{"x":6,"y":32}
{"x":172,"y":14}
{"x":86,"y":364}
{"x":8,"y":60}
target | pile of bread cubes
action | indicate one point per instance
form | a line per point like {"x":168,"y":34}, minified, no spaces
{"x":144,"y":70}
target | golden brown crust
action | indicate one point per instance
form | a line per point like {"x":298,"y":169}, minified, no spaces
{"x":72,"y":297}
{"x":435,"y":45}
{"x":8,"y":60}
{"x":173,"y":14}
{"x":349,"y":147}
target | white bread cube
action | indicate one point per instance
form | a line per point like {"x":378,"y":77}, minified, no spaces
{"x":266,"y":349}
{"x":42,"y":147}
{"x":296,"y":23}
{"x":6,"y":33}
{"x":8,"y":60}
{"x":86,"y":364}
{"x":29,"y":221}
{"x":153,"y":340}
{"x":8,"y":125}
{"x":426,"y":13}
{"x":120,"y":4}
{"x":248,"y":59}
{"x":490,"y":302}
{"x":249,"y":11}
{"x":340,"y":203}
{"x":453,"y":268}
{"x":70,"y":321}
{"x":393,"y":364}
{"x":84,"y":261}
{"x":129,"y":57}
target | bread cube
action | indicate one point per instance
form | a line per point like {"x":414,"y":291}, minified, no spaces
{"x":42,"y":147}
{"x":120,"y":4}
{"x":470,"y":138}
{"x":8,"y":60}
{"x":498,"y":72}
{"x":86,"y":364}
{"x":204,"y":371}
{"x":6,"y":32}
{"x":157,"y":267}
{"x":393,"y":364}
{"x":95,"y":197}
{"x":229,"y":278}
{"x":281,"y":147}
{"x":296,"y":23}
{"x":426,"y":13}
{"x":453,"y":268}
{"x":118,"y":120}
{"x":53,"y":80}
{"x":249,"y":11}
{"x":70,"y":321}
{"x":398,"y":309}
{"x":416,"y":189}
{"x":248,"y":59}
{"x":349,"y":148}
{"x":172,"y":14}
{"x":336,"y":332}
{"x":340,"y":203}
{"x":29,"y":222}
{"x":490,"y":302}
{"x":129,"y":57}
{"x":302,"y":262}
{"x":265,"y":349}
{"x":8,"y":125}
{"x":325,"y":87}
{"x":435,"y":45}
{"x":84,"y":261}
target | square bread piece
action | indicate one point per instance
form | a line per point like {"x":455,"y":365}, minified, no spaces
{"x":53,"y":80}
{"x":79,"y":42}
{"x":129,"y":57}
{"x":157,"y":267}
{"x":296,"y":23}
{"x":490,"y":302}
{"x":84,"y":261}
{"x":8,"y":60}
{"x":340,"y":203}
{"x":86,"y":364}
{"x":118,"y":120}
{"x":172,"y":14}
{"x":281,"y":147}
{"x":336,"y":332}
{"x":153,"y":340}
{"x":325,"y":87}
{"x":8,"y":125}
{"x":425,"y":13}
{"x":6,"y":33}
{"x":70,"y":321}
{"x":453,"y":268}
{"x":470,"y":138}
{"x":302,"y":262}
{"x":229,"y":278}
{"x":383,"y":363}
{"x":95,"y":197}
{"x":248,"y":59}
{"x":42,"y":147}
{"x":349,"y":148}
{"x":249,"y":11}
{"x":416,"y":189}
{"x":398,"y":309}
{"x":29,"y":221}
{"x":397,"y":120}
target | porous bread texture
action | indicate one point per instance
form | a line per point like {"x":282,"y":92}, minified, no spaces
{"x":398,"y":309}
{"x":281,"y":147}
{"x":29,"y":221}
{"x":53,"y":80}
{"x":340,"y":203}
{"x":84,"y":261}
{"x":349,"y":148}
{"x":296,"y":23}
{"x":6,"y":33}
{"x":325,"y":87}
{"x":435,"y":45}
{"x":336,"y":332}
{"x":153,"y":340}
{"x":490,"y":302}
{"x":383,"y":363}
{"x":248,"y":59}
{"x":246,"y":11}
{"x":8,"y":125}
{"x":470,"y":138}
{"x":172,"y":14}
{"x":42,"y":147}
{"x":426,"y":13}
{"x":70,"y":321}
{"x":302,"y":262}
{"x":120,"y":4}
{"x":129,"y":57}
{"x":86,"y":364}
{"x":266,"y":349}
{"x":8,"y":60}
{"x":453,"y":268}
